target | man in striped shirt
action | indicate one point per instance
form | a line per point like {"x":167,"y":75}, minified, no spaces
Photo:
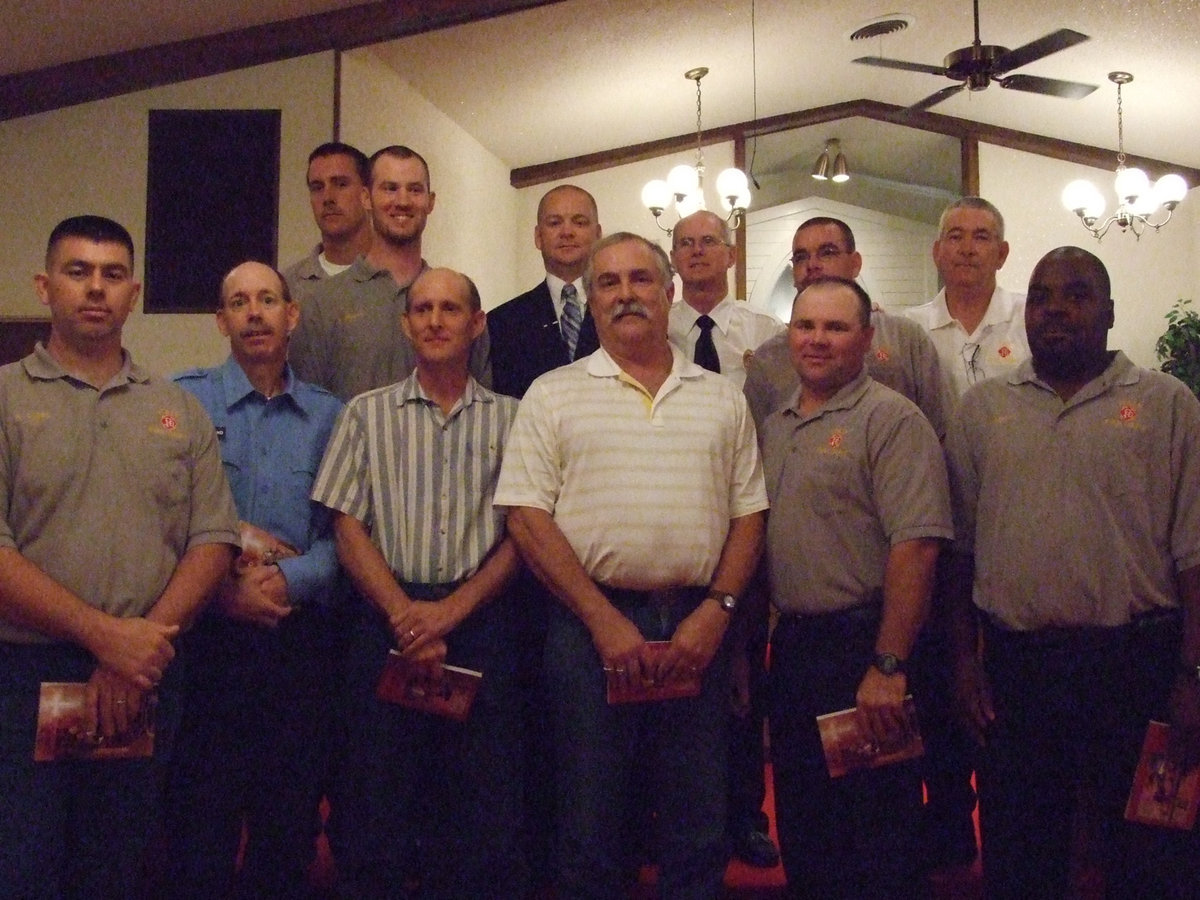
{"x":410,"y":472}
{"x":636,"y":495}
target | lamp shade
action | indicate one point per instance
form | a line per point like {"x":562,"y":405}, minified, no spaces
{"x":840,"y":172}
{"x":731,"y":183}
{"x":691,"y":202}
{"x":1131,"y":183}
{"x":683,"y":179}
{"x":821,"y":169}
{"x":1170,"y":190}
{"x":1084,"y":199}
{"x":656,"y":195}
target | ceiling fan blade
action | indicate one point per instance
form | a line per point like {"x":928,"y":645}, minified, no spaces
{"x":1053,"y":87}
{"x":935,"y":98}
{"x":1035,"y":50}
{"x":901,"y":64}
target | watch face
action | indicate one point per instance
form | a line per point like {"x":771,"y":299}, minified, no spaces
{"x":887,"y":663}
{"x":728,"y":602}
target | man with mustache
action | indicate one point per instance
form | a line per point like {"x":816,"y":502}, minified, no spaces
{"x":349,"y":340}
{"x":1077,"y":501}
{"x":635,"y":494}
{"x":337,"y":179}
{"x":261,"y":660}
{"x":977,"y":326}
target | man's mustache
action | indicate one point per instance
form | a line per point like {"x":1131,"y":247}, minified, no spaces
{"x":628,"y":308}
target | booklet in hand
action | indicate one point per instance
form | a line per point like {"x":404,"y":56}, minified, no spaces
{"x":624,"y":691}
{"x":449,"y":694}
{"x":1162,"y":794}
{"x":849,"y":748}
{"x":61,"y":733}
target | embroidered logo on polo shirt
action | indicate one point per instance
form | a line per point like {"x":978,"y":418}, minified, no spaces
{"x":1128,"y":413}
{"x":1004,"y":352}
{"x":167,"y":425}
{"x":1126,"y":416}
{"x":747,"y":358}
{"x":881,"y":354}
{"x":836,"y":438}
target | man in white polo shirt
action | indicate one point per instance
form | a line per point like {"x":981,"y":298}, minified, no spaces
{"x":635,"y":493}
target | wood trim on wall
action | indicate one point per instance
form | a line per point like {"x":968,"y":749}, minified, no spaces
{"x":970,"y":133}
{"x":42,"y":90}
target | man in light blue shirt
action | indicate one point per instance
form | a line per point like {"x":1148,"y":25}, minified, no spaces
{"x":262,"y":667}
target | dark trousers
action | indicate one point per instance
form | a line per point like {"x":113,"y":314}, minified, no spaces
{"x":747,"y":774}
{"x":848,"y":837}
{"x":1072,"y":707}
{"x":680,"y":745}
{"x":73,"y":828}
{"x":253,"y":744}
{"x":414,"y":780}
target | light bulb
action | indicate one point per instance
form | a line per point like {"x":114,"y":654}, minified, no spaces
{"x":1130,"y":184}
{"x":683,"y":180}
{"x":656,"y":196}
{"x":1170,"y":190}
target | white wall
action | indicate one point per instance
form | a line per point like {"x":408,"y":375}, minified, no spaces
{"x":92,"y":159}
{"x":897,"y":268}
{"x":1147,"y":275}
{"x":472,"y":225}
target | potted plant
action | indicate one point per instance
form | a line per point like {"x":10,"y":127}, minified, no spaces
{"x":1178,"y":348}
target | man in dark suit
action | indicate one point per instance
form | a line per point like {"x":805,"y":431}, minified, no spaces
{"x":530,"y":334}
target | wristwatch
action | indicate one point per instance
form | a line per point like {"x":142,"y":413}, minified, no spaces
{"x":888,"y":663}
{"x":728,"y":602}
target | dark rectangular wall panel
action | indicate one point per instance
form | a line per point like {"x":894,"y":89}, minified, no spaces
{"x":212,"y":201}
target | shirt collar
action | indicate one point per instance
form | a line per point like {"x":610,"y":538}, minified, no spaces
{"x":41,"y":365}
{"x":601,"y":365}
{"x":1001,"y":308}
{"x":237,"y":386}
{"x":410,"y":391}
{"x":721,"y":314}
{"x":846,"y":397}
{"x":1120,"y":371}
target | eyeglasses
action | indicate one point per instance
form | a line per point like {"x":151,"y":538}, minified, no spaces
{"x":708,"y":242}
{"x":970,"y":357}
{"x":823,"y":254}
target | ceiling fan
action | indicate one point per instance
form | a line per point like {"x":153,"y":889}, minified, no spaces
{"x":977,"y":66}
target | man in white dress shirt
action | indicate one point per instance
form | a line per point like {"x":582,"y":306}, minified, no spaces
{"x":702,"y":253}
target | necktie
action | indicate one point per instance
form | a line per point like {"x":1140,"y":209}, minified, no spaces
{"x":572,"y":318}
{"x":706,"y":350}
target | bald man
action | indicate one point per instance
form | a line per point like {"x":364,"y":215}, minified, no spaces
{"x":261,"y":659}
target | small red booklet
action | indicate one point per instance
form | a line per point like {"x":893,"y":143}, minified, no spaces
{"x":848,"y":748}
{"x":1162,"y":794}
{"x":645,"y":692}
{"x":61,"y":734}
{"x":450,"y":694}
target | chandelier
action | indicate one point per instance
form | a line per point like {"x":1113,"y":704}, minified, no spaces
{"x":1138,"y":203}
{"x":684,"y":185}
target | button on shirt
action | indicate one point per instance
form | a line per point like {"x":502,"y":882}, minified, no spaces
{"x":271,"y":450}
{"x":739,"y":329}
{"x":421,"y":480}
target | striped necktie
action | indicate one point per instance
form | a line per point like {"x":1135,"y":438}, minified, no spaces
{"x":572,"y":318}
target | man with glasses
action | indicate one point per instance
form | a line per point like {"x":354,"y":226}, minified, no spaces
{"x":977,"y":326}
{"x":901,"y":357}
{"x":720,"y":333}
{"x":713,"y":329}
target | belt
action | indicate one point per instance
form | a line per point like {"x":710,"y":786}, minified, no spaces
{"x":658,"y":597}
{"x":417,"y":590}
{"x":1082,"y":638}
{"x":863,"y":614}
